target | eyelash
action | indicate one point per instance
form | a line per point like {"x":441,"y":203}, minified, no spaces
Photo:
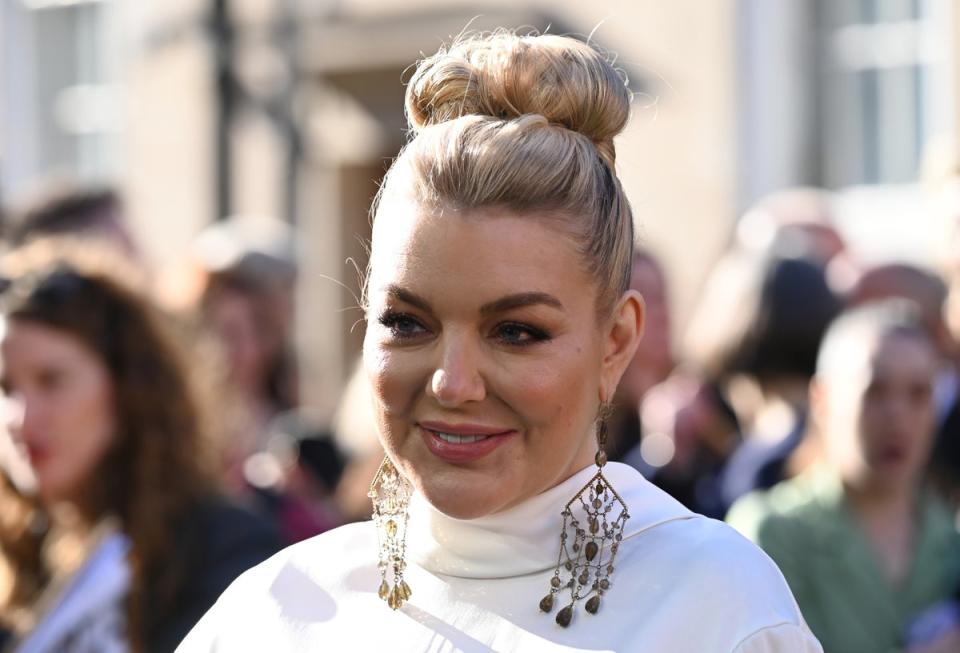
{"x":393,"y":322}
{"x":535,"y":335}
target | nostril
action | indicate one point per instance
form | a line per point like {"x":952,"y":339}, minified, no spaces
{"x":455,"y":388}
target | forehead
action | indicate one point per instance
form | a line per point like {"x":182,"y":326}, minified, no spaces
{"x":481,"y":252}
{"x":869,"y":357}
{"x":35,"y":342}
{"x":903,"y":355}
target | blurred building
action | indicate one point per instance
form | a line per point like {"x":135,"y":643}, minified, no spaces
{"x":203,"y":108}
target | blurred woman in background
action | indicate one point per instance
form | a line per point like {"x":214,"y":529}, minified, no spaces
{"x":278,"y":460}
{"x":123,"y":541}
{"x":865,"y":545}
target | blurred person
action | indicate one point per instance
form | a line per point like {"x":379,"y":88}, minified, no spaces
{"x":942,"y":182}
{"x":769,"y":369}
{"x":500,"y":321}
{"x":79,"y":211}
{"x":277,"y":461}
{"x":929,"y":293}
{"x":121,"y":540}
{"x":293,"y":481}
{"x":795,"y":223}
{"x":864,"y":544}
{"x":905,"y":281}
{"x":734,"y":424}
{"x":247,"y":301}
{"x":653,"y":361}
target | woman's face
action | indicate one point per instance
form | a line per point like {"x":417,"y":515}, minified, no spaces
{"x":59,"y":406}
{"x":234,"y":317}
{"x":486,"y":356}
{"x":879,"y":417}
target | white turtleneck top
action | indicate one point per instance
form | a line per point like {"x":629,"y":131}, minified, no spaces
{"x":682,"y":583}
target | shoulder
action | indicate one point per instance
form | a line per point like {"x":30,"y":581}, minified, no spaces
{"x":781,"y":638}
{"x":719,"y":556}
{"x":717,"y":576}
{"x":710,"y":569}
{"x":667,"y":536}
{"x":221,"y":530}
{"x":319,"y":561}
{"x":299,"y":583}
{"x":215,"y":541}
{"x":791,"y":508}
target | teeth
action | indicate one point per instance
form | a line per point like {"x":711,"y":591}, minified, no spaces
{"x":460,"y":439}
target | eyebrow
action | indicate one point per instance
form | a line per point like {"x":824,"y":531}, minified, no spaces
{"x":521,"y":300}
{"x":407,"y":297}
{"x":510,"y":302}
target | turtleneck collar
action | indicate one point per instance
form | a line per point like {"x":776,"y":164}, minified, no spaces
{"x":524,"y":539}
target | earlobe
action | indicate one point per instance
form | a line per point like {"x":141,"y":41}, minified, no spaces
{"x":623,"y":336}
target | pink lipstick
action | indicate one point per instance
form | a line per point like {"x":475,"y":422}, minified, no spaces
{"x":462,"y":443}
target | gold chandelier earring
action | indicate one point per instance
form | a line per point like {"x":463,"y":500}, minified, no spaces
{"x":390,"y":494}
{"x":593,"y":522}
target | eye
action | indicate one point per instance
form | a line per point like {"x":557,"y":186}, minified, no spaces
{"x":401,"y":326}
{"x":50,"y":379}
{"x":920,"y":393}
{"x":517,"y":334}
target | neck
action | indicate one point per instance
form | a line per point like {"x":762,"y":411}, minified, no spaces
{"x":889,"y":522}
{"x":871,"y":498}
{"x":68,"y":516}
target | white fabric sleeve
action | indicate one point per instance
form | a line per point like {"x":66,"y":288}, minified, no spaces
{"x":782,"y":638}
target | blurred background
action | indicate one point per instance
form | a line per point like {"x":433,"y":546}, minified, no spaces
{"x":787,"y":161}
{"x":203,"y":109}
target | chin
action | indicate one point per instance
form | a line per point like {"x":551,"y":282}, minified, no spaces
{"x":453,"y":494}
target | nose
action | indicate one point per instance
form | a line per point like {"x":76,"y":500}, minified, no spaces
{"x":457,"y":379}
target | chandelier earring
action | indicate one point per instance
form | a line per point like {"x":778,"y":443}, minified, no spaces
{"x":593,"y":523}
{"x":390,"y":494}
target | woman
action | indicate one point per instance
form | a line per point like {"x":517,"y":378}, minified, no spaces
{"x":865,"y":546}
{"x":499,"y":325}
{"x":122,"y":543}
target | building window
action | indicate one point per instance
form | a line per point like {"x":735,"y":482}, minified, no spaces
{"x":884,"y":87}
{"x":60,"y":90}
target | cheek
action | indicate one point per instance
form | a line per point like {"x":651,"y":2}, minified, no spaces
{"x":86,"y":430}
{"x":554,"y":397}
{"x":395,"y":380}
{"x":100,"y":424}
{"x":869,"y":418}
{"x":923,"y":420}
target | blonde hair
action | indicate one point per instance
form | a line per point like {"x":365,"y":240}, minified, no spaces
{"x":526,"y":124}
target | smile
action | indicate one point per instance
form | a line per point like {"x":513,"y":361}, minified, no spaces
{"x":451,"y":438}
{"x":469,"y":443}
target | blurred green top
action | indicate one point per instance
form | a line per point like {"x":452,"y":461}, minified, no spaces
{"x":806,"y":526}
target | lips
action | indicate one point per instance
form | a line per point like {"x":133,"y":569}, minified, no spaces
{"x":38,"y":455}
{"x":892,"y":454}
{"x":461,"y":443}
{"x":450,"y":438}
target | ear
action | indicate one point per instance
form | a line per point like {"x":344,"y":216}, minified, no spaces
{"x":621,"y":337}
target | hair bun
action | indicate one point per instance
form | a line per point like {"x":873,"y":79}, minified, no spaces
{"x":506,"y":76}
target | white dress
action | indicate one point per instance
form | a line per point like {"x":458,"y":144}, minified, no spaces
{"x":682,"y":583}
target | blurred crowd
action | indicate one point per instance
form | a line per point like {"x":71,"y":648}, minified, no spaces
{"x":157,"y":445}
